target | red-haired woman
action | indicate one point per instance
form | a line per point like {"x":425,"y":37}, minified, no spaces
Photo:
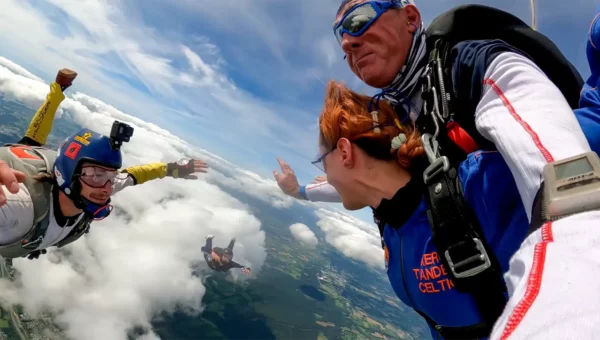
{"x":373,"y":159}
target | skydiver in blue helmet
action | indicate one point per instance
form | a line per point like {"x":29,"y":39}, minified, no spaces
{"x":60,"y":194}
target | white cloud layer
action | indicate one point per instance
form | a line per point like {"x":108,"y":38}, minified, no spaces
{"x":303,"y":234}
{"x":352,"y":237}
{"x":175,"y":79}
{"x":139,"y":262}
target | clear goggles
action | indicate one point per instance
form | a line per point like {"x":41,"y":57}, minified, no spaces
{"x":97,"y":177}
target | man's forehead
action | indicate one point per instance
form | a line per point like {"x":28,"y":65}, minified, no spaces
{"x":346,"y":4}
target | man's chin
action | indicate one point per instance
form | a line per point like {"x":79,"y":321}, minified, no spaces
{"x":375,"y":77}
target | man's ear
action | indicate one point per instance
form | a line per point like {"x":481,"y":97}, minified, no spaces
{"x":413,"y":17}
{"x":346,"y":152}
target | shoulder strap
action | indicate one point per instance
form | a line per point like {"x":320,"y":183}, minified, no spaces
{"x":42,"y":201}
{"x":456,"y":232}
{"x":30,"y":242}
{"x":462,"y":248}
{"x":82,"y":227}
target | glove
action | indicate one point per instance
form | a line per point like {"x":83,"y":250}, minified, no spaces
{"x":65,"y":78}
{"x":35,"y":254}
{"x":180,"y":169}
{"x":246,"y":270}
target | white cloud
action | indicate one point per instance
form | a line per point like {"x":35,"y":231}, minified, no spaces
{"x":254,"y":185}
{"x":329,"y":51}
{"x":139,"y":261}
{"x":17,"y":69}
{"x":115,"y":49}
{"x":352,"y":237}
{"x":14,"y":86}
{"x":197,"y":63}
{"x":303,"y":234}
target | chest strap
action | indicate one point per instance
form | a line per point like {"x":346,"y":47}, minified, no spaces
{"x":455,"y":229}
{"x":462,"y":248}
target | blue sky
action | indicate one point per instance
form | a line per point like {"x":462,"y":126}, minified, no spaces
{"x":240,"y":78}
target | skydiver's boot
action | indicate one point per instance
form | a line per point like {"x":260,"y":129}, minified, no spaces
{"x":42,"y":121}
{"x":231,"y":243}
{"x":208,"y":246}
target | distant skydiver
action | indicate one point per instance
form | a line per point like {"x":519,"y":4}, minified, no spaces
{"x":220,"y":259}
{"x":62,"y":194}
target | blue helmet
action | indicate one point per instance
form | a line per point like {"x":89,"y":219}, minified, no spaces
{"x":86,"y":146}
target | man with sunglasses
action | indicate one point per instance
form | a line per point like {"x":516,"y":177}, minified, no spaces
{"x":509,"y":103}
{"x":61,"y":194}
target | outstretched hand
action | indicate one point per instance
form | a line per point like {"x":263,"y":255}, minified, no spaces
{"x":185,"y":167}
{"x":199,"y":166}
{"x":246,"y":270}
{"x":10,"y":178}
{"x":287,"y":181}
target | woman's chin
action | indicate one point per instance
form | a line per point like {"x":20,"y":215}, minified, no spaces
{"x":352,"y":205}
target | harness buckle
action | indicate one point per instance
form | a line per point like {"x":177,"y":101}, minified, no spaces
{"x":426,"y":81}
{"x":33,"y":244}
{"x":438,"y":163}
{"x":472,"y":264}
{"x":436,"y":168}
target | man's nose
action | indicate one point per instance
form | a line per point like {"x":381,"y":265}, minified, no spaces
{"x":350,"y":43}
{"x":107,"y":188}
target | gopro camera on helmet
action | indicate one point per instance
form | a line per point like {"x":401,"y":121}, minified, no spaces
{"x":120,"y":133}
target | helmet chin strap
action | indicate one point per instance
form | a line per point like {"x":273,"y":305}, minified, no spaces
{"x":90,"y":208}
{"x":96,"y":210}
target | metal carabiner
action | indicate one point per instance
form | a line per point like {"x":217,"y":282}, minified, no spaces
{"x":431,"y":147}
{"x":438,"y":163}
{"x":435,"y":113}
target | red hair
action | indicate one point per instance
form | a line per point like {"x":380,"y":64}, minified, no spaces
{"x":346,"y":115}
